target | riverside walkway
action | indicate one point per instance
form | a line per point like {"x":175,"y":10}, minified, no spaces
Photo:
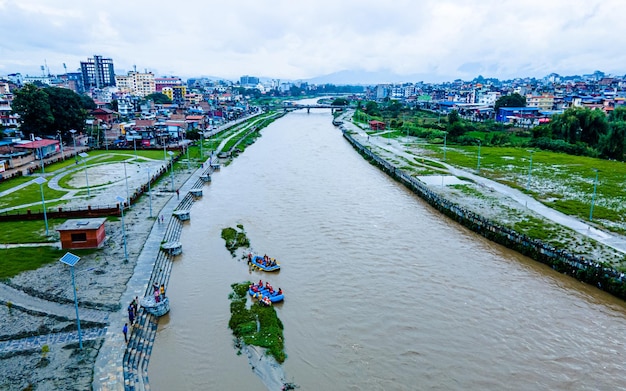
{"x":121,"y":366}
{"x":393,"y":147}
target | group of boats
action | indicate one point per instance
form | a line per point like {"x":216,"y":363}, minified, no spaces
{"x":266,"y":294}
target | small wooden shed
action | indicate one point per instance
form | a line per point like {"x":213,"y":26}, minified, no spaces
{"x":82,"y":233}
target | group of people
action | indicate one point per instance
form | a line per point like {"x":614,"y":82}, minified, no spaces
{"x":257,"y":288}
{"x":265,"y":261}
{"x":133,"y":307}
{"x":159,"y":292}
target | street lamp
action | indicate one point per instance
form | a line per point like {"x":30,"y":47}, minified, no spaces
{"x":445,"y":136}
{"x":126,"y":179}
{"x":73,"y":131}
{"x":40,"y":181}
{"x":478,"y":166}
{"x":530,"y":169}
{"x":41,"y":158}
{"x":122,"y":201}
{"x":593,"y":197}
{"x":164,"y":154}
{"x":135,"y":146}
{"x":149,"y":190}
{"x":84,"y":156}
{"x":171,"y":167}
{"x":71,"y":260}
{"x":61,"y":144}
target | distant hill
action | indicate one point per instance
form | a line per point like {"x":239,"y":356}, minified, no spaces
{"x":360,"y":77}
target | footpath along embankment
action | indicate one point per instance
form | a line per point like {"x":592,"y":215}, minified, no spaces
{"x":585,"y":270}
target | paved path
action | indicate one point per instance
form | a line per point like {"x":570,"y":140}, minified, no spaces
{"x":20,"y":299}
{"x":614,"y":241}
{"x":38,"y":341}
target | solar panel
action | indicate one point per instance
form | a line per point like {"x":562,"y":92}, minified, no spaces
{"x":70,"y":259}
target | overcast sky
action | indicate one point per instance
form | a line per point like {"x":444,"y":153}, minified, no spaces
{"x":296,"y":39}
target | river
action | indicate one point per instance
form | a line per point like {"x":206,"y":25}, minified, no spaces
{"x":382,"y":292}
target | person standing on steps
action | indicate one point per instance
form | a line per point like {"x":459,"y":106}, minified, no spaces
{"x":177,"y":194}
{"x":125,"y":331}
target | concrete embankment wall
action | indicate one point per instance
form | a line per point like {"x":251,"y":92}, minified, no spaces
{"x":589,"y":271}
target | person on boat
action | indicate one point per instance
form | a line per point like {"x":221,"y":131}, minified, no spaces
{"x":280,"y":291}
{"x":260,"y":284}
{"x":156,"y":296}
{"x":249,"y":257}
{"x":162,"y":291}
{"x":254,"y":288}
{"x":267,"y":285}
{"x":271,"y":290}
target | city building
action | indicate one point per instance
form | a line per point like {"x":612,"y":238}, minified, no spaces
{"x":136,"y":83}
{"x":97,"y":72}
{"x":248,"y":81}
{"x":161,"y":82}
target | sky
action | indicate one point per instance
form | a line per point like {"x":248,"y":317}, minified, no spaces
{"x":433,"y":40}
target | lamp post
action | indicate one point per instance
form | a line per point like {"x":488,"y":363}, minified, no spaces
{"x":61,"y":144}
{"x":41,"y":158}
{"x":201,"y":146}
{"x":73,"y":131}
{"x":84,"y":156}
{"x":593,"y":197}
{"x":122,"y":201}
{"x":188,"y":157}
{"x":164,"y":153}
{"x":171,"y":167}
{"x":445,"y":136}
{"x":71,"y":260}
{"x":40,"y":181}
{"x":126,"y":179}
{"x":135,"y":146}
{"x":530,"y":169}
{"x":149,"y":191}
{"x":478,"y":165}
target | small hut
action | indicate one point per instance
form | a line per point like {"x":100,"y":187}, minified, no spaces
{"x":82,"y":233}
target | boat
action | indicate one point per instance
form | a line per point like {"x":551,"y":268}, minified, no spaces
{"x":157,"y":309}
{"x":257,"y":261}
{"x":263,"y":292}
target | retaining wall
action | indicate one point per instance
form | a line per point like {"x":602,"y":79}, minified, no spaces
{"x":585,"y":270}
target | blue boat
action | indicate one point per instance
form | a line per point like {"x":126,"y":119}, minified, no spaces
{"x":157,"y":309}
{"x":263,"y":292}
{"x":258,"y":262}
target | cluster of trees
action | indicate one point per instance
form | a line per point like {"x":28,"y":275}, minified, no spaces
{"x":44,"y":111}
{"x":585,"y":131}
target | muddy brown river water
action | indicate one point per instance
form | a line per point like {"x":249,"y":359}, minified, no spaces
{"x":382,"y":292}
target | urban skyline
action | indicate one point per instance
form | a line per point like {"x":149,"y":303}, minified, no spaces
{"x":432,"y":41}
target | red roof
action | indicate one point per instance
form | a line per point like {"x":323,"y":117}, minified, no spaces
{"x":37,"y":144}
{"x":195,"y":117}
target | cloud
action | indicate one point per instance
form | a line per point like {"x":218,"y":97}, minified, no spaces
{"x":286,"y":39}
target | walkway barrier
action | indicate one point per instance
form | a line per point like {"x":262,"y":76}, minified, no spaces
{"x":585,"y":270}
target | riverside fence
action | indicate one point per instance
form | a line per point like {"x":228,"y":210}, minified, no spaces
{"x":89,"y":211}
{"x":585,"y":270}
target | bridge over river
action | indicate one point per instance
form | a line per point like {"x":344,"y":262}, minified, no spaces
{"x":308,"y":107}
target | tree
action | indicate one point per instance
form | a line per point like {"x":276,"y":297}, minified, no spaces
{"x":31,"y":104}
{"x":158,"y":98}
{"x":371,"y":108}
{"x":612,"y":144}
{"x":580,"y":124}
{"x":453,"y":117}
{"x":340,"y":102}
{"x":67,"y":110}
{"x":513,"y":100}
{"x":44,"y":111}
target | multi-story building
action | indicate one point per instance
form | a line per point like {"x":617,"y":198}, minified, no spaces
{"x":543,"y":102}
{"x":248,"y":81}
{"x":161,"y":82}
{"x":136,"y":83}
{"x":97,"y":72}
